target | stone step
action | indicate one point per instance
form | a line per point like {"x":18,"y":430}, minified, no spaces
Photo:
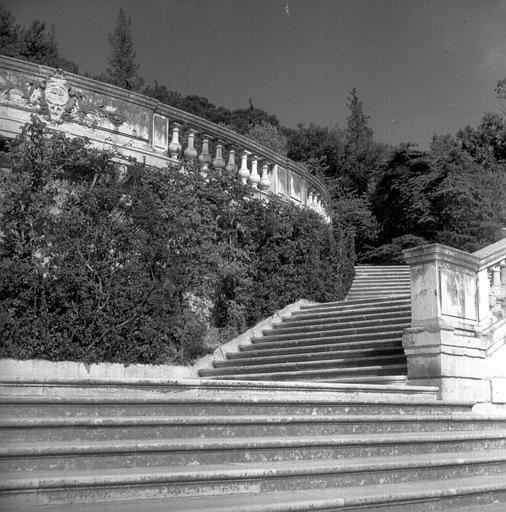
{"x":55,"y":487}
{"x":254,"y":358}
{"x":379,"y":312}
{"x":362,"y":374}
{"x":394,"y":326}
{"x":396,"y":269}
{"x":376,"y":323}
{"x":380,"y":292}
{"x":179,"y":427}
{"x":316,"y":405}
{"x":111,"y":453}
{"x":227,"y":367}
{"x":468,"y":494}
{"x":204,"y":389}
{"x":359,"y":303}
{"x":380,"y":288}
{"x":326,"y":337}
{"x":392,"y":339}
{"x":387,"y":379}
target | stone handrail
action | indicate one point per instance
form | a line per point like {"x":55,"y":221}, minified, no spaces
{"x":147,"y":130}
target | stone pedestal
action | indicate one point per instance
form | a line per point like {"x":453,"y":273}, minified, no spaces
{"x":442,"y":346}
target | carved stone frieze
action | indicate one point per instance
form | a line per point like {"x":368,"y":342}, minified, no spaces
{"x":56,"y":100}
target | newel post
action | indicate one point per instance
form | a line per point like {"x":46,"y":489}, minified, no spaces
{"x":443,"y":346}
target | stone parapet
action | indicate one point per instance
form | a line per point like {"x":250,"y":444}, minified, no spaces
{"x":149,"y":131}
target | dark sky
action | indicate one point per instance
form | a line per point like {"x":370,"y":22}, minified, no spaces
{"x":420,"y":66}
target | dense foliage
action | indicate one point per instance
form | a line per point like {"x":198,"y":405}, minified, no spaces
{"x":36,"y":43}
{"x":102,"y":262}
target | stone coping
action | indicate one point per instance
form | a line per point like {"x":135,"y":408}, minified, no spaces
{"x":442,"y":253}
{"x":492,"y":253}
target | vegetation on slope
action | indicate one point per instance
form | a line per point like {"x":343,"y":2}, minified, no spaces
{"x":99,"y":263}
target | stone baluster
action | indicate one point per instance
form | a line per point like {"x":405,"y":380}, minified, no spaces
{"x":310,"y":199}
{"x":174,"y":146}
{"x":498,"y":289}
{"x":318,"y":204}
{"x":219,"y":162}
{"x":264,"y":182}
{"x":243,"y":173}
{"x":204,"y":157}
{"x":254,"y":177}
{"x":190,"y":153}
{"x":231,"y":166}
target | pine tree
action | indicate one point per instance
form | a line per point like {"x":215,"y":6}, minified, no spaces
{"x":123,"y":68}
{"x":362,"y":154}
{"x":357,"y":129}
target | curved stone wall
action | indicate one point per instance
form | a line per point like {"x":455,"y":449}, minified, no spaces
{"x":146,"y":129}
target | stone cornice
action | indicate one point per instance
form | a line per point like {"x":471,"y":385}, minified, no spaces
{"x":201,"y":125}
{"x":441,"y":253}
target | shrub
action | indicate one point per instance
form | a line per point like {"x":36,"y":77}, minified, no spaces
{"x":101,"y":265}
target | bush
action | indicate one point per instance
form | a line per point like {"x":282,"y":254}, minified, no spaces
{"x":101,"y":265}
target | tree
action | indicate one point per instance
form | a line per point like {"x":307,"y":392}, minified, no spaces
{"x":36,"y":43}
{"x":269,"y":136}
{"x":362,"y":154}
{"x":123,"y":68}
{"x":39,"y":44}
{"x":9,"y":34}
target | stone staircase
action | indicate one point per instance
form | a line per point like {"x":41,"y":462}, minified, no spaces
{"x":267,"y":430}
{"x":356,"y":340}
{"x":245,"y":447}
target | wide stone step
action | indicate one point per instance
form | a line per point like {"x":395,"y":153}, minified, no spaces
{"x":382,"y":268}
{"x":359,"y":374}
{"x":359,"y":303}
{"x":482,"y":493}
{"x":128,"y":453}
{"x":37,"y":488}
{"x":204,"y":389}
{"x":376,"y":323}
{"x":384,"y":311}
{"x":254,"y":358}
{"x":387,"y":379}
{"x":386,"y":287}
{"x":172,"y":427}
{"x":377,"y":329}
{"x":388,"y":339}
{"x":367,"y":293}
{"x":316,"y":405}
{"x":227,"y":367}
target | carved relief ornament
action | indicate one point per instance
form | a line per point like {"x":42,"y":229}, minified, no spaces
{"x":57,"y":101}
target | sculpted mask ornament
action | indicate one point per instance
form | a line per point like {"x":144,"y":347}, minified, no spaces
{"x":55,"y":98}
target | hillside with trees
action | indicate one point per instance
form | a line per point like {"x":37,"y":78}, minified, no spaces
{"x":151,"y":267}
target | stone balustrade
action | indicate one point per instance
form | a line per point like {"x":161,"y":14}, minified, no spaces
{"x":147,"y":130}
{"x":457,"y":338}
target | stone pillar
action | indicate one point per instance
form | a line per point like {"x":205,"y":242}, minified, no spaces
{"x":443,"y":346}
